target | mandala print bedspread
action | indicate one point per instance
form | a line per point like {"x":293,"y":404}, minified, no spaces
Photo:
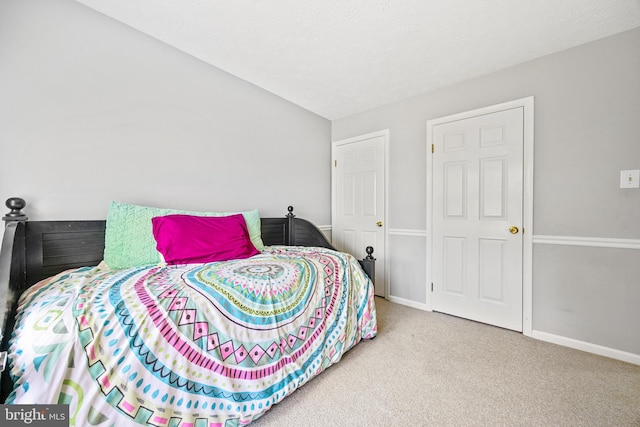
{"x":207,"y":344}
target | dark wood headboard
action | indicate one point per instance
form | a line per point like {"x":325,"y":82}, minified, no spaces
{"x":34,"y":250}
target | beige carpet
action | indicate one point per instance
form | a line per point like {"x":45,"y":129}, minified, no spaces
{"x":430,"y":369}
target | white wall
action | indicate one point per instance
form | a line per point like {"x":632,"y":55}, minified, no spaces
{"x":92,"y":111}
{"x":587,"y":129}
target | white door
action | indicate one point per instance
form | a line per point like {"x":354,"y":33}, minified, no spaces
{"x":478,"y":218}
{"x":358,"y":199}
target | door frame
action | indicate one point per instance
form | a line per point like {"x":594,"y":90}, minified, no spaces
{"x":384,"y":133}
{"x":527,"y":207}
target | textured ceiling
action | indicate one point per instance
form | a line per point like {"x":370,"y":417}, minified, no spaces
{"x":341,"y":57}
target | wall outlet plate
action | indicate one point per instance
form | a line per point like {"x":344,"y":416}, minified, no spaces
{"x":630,"y":179}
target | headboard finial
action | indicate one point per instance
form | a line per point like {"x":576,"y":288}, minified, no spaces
{"x":290,"y":214}
{"x":15,"y":204}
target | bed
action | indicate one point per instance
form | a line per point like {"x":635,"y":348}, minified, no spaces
{"x":209,"y":329}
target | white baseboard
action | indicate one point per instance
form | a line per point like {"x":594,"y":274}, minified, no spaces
{"x":408,"y":302}
{"x":588,"y":347}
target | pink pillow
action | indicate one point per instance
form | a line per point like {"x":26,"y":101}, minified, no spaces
{"x":186,"y":239}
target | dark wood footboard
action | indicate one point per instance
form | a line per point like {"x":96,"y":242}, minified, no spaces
{"x":34,"y":250}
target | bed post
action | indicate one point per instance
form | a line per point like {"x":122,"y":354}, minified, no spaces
{"x":289,"y":233}
{"x":13,"y":251}
{"x":12,"y":278}
{"x":368,"y":264}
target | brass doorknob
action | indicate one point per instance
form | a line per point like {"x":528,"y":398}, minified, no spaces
{"x":513,"y":229}
{"x":379,"y":223}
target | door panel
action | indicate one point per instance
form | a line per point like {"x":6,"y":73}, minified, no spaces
{"x":348,"y":186}
{"x":492,"y":280}
{"x":493,"y":191}
{"x":454,"y":264}
{"x":477,"y":197}
{"x":455,"y":190}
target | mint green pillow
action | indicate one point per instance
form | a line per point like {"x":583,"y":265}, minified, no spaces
{"x":129,"y":238}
